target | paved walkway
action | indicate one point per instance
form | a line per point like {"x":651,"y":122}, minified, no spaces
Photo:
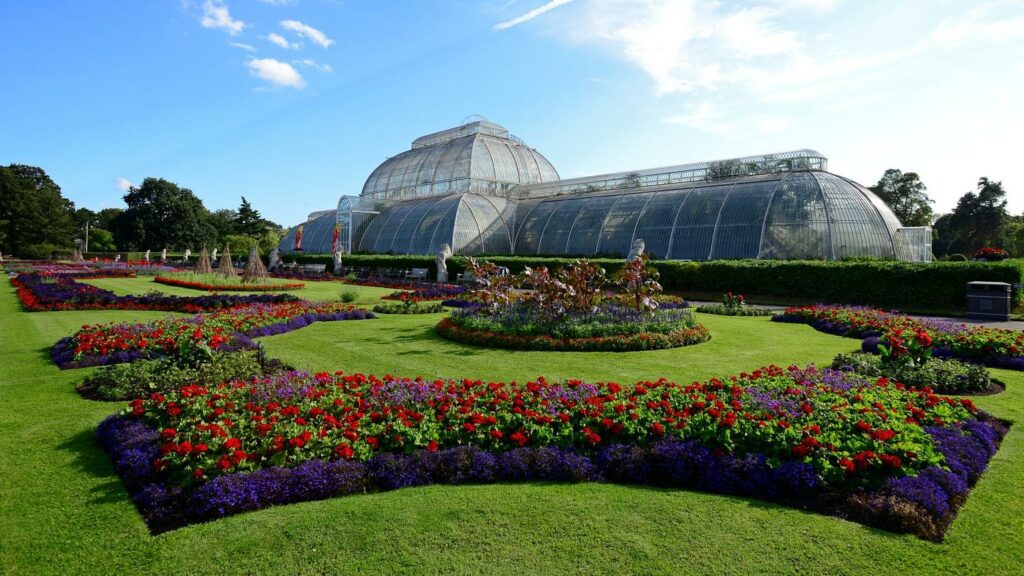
{"x":1011,"y":325}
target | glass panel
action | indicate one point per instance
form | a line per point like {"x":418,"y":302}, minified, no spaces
{"x":656,"y":222}
{"x":797,"y":226}
{"x":409,"y":225}
{"x":695,"y":223}
{"x":528,"y":236}
{"x":617,"y":233}
{"x":741,"y":220}
{"x":585,"y":232}
{"x":560,"y":223}
{"x":857,"y":228}
{"x":424,"y":230}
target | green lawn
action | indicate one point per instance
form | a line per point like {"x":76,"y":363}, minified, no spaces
{"x":63,"y":511}
{"x":312,"y":290}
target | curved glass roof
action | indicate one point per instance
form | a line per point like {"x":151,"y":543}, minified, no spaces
{"x":475,"y":157}
{"x":469,"y":223}
{"x":317,"y":234}
{"x":793,"y":215}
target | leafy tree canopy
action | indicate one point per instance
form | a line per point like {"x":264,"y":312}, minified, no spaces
{"x":34,"y":217}
{"x":161,"y":214}
{"x":905,"y":194}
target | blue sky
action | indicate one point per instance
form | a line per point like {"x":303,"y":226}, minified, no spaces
{"x":293,"y":103}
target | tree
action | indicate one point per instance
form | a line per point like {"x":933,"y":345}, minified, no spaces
{"x":101,"y":240}
{"x":905,"y":194}
{"x":161,"y":214}
{"x":223,"y":221}
{"x":979,"y":218}
{"x":34,"y":218}
{"x":105,"y":217}
{"x":248,"y":220}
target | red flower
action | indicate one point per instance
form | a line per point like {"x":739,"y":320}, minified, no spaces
{"x":891,"y":461}
{"x":801,"y":450}
{"x":848,"y":465}
{"x":169,"y":433}
{"x":432,"y":446}
{"x":883,"y":435}
{"x":233,"y":443}
{"x":496,"y":434}
{"x":656,"y":428}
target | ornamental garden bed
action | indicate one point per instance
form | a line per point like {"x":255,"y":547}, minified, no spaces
{"x":570,"y":311}
{"x":606,"y":329}
{"x":831,"y":441}
{"x":434,"y":292}
{"x":995,"y":347}
{"x":220,"y":283}
{"x":231,"y":329}
{"x":41,"y":293}
{"x":409,"y":307}
{"x":734,"y":305}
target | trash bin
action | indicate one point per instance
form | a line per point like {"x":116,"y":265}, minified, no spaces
{"x":988,"y":301}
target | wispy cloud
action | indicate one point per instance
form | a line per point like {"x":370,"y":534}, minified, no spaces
{"x":243,"y":46}
{"x":980,"y":24}
{"x":276,"y":72}
{"x":314,"y":64}
{"x":281,"y":41}
{"x":279,"y":2}
{"x":123,"y":184}
{"x":527,"y":16}
{"x":306,"y":31}
{"x":216,"y":15}
{"x":707,"y":117}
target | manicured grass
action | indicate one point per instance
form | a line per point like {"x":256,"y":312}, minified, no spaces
{"x":63,"y":511}
{"x":367,"y":295}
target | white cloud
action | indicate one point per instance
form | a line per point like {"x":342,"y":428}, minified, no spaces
{"x":685,"y":45}
{"x":979,"y":24}
{"x":246,"y":47}
{"x":307,"y":31}
{"x":215,"y":15}
{"x":279,"y":2}
{"x":314,"y":64}
{"x":123,"y":184}
{"x":280,"y":41}
{"x":527,"y":16}
{"x":707,"y":117}
{"x":276,"y":72}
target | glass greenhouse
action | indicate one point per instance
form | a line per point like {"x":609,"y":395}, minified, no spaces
{"x":482,"y":191}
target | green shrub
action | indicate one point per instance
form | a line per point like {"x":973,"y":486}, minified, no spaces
{"x":944,"y":376}
{"x":401,"y":308}
{"x":723,"y":310}
{"x":882,"y":283}
{"x":348,"y":295}
{"x":141,"y":378}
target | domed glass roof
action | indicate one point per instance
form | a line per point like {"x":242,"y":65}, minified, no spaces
{"x":469,"y":223}
{"x":792,"y":215}
{"x":477,"y":157}
{"x":317,"y":234}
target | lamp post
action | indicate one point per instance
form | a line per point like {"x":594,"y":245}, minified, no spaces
{"x":87,"y":237}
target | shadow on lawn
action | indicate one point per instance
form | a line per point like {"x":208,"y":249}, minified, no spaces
{"x":92,"y":460}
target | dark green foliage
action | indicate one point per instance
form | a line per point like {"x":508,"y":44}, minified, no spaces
{"x":399,"y":308}
{"x":35,"y":219}
{"x":162,"y":214}
{"x":885,"y":283}
{"x":905,"y":194}
{"x":944,"y":376}
{"x":141,"y":378}
{"x":978,"y":220}
{"x":723,"y":310}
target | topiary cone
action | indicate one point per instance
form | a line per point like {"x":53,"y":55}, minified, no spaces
{"x":226,"y":267}
{"x":254,"y":268}
{"x":203,"y":264}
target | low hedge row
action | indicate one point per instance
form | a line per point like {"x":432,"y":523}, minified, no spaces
{"x":913,"y":285}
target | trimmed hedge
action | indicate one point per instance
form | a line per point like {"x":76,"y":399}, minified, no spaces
{"x":888,"y":283}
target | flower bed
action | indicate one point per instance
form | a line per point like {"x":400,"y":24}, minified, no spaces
{"x":944,"y":376}
{"x":47,"y":293}
{"x":833,"y":441}
{"x":436,"y":292}
{"x":410,"y":308}
{"x":683,"y":335}
{"x":215,"y":283}
{"x":734,"y":305}
{"x":225,"y":329}
{"x":996,"y":347}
